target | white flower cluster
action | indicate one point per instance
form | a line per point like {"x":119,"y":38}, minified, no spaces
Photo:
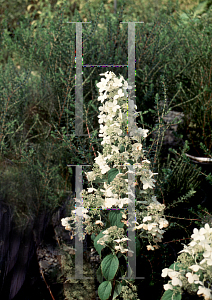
{"x":110,"y":235}
{"x":113,"y":114}
{"x":65,"y":223}
{"x":199,"y":272}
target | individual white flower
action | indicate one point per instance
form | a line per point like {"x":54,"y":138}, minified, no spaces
{"x":203,"y":261}
{"x":114,"y":149}
{"x":108,"y":74}
{"x":120,"y":202}
{"x":195,"y":268}
{"x":168,"y":287}
{"x":198,"y":234}
{"x":104,"y":239}
{"x":99,"y":159}
{"x":163,"y":223}
{"x":102,"y":85}
{"x":192,"y":244}
{"x":165,"y":272}
{"x":65,"y":223}
{"x":90,"y":190}
{"x":117,"y":130}
{"x":202,"y":245}
{"x":172,"y":274}
{"x":186,"y":250}
{"x":147,"y":218}
{"x":205,"y":292}
{"x":137,"y":147}
{"x":143,"y":132}
{"x":176,"y":281}
{"x":118,"y":82}
{"x":141,"y":226}
{"x":157,"y":230}
{"x":106,"y":140}
{"x":99,"y":222}
{"x":102,"y":97}
{"x":90,"y":176}
{"x":121,"y":249}
{"x":208,"y":230}
{"x":109,"y":202}
{"x":208,"y":255}
{"x":144,"y":226}
{"x":120,"y":94}
{"x":208,"y":260}
{"x":151,"y":226}
{"x":147,"y":183}
{"x":145,"y":161}
{"x":104,"y":169}
{"x":102,"y":118}
{"x":149,"y":247}
{"x":198,"y":282}
{"x":191,"y":277}
{"x":122,"y":240}
{"x":108,"y":190}
{"x":115,"y":106}
{"x":151,"y":174}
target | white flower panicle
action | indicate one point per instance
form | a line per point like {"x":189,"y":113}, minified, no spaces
{"x":113,"y":120}
{"x":197,"y":273}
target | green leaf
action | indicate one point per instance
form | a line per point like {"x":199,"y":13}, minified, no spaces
{"x":109,"y":266}
{"x":175,"y":266}
{"x":167,"y":295}
{"x":99,"y":180}
{"x":104,"y":290}
{"x":201,"y":8}
{"x":122,"y":149}
{"x":99,"y":275}
{"x":177,"y":296}
{"x":117,"y":290}
{"x":99,"y":247}
{"x":93,"y":236}
{"x":129,"y":271}
{"x":61,"y":71}
{"x":123,"y":282}
{"x":112,"y":174}
{"x":115,"y":217}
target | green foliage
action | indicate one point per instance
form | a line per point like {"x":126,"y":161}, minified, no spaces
{"x":104,"y":290}
{"x":109,"y":266}
{"x":169,"y":295}
{"x":175,"y":266}
{"x":98,"y":247}
{"x":115,"y":217}
{"x":117,"y":289}
{"x":177,"y":174}
{"x":99,"y":275}
{"x":112,"y":174}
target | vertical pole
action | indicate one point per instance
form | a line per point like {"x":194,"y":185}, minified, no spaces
{"x":115,"y":6}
